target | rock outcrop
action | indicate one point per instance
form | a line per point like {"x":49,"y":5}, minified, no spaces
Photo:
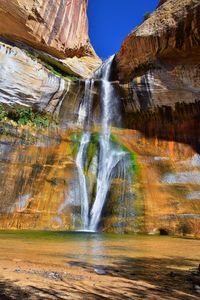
{"x":43,"y":45}
{"x":36,"y":171}
{"x":26,"y":82}
{"x":158,"y":66}
{"x":159,"y":61}
{"x":171,"y":35}
{"x":58,"y":27}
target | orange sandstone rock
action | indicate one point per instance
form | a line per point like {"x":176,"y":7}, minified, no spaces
{"x":59,"y":27}
{"x":170,"y":35}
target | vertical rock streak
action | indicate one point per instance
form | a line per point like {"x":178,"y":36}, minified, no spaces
{"x":58,"y":27}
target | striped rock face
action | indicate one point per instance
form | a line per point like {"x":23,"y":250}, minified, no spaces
{"x":170,"y":36}
{"x":59,"y":27}
{"x":24,"y":81}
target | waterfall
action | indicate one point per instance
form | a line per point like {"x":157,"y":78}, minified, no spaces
{"x":109,"y":156}
{"x":84,"y":117}
{"x":84,"y":113}
{"x":82,"y":179}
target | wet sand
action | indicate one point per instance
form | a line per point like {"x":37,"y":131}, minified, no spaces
{"x":43,"y":265}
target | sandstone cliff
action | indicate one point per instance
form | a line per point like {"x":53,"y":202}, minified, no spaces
{"x":59,"y":27}
{"x":54,"y":30}
{"x":43,"y":44}
{"x":171,"y":35}
{"x":158,"y":66}
{"x":160,"y":111}
{"x":25,"y":81}
{"x":159,"y":61}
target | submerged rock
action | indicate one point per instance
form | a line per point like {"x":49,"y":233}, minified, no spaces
{"x":100,"y":271}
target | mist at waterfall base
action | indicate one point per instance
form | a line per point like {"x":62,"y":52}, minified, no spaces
{"x":109,"y":161}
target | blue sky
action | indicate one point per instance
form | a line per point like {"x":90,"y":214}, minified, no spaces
{"x":110,"y":21}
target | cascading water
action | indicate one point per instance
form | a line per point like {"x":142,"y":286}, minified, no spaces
{"x":84,"y":114}
{"x":109,"y":156}
{"x":82,"y":179}
{"x":84,"y":118}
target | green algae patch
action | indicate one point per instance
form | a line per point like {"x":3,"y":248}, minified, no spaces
{"x":3,"y":113}
{"x":91,"y":150}
{"x":52,"y":65}
{"x":133,"y":156}
{"x":75,"y":139}
{"x":21,"y":116}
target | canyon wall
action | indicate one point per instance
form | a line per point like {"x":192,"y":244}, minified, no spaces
{"x":35,"y":173}
{"x":158,"y":67}
{"x":157,"y":78}
{"x":44,"y":53}
{"x":171,"y":35}
{"x":40,"y":186}
{"x":44,"y":45}
{"x":58,"y":27}
{"x":24,"y":81}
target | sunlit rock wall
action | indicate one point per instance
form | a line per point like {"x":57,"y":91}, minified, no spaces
{"x":25,"y":81}
{"x":39,"y":184}
{"x":171,"y":35}
{"x":168,"y":184}
{"x":160,"y":106}
{"x":35,"y":172}
{"x":59,"y":27}
{"x":40,"y":188}
{"x":159,"y":61}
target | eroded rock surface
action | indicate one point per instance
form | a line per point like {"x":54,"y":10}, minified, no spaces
{"x":42,"y":45}
{"x":161,"y":2}
{"x":29,"y":81}
{"x":36,"y":170}
{"x":25,"y":81}
{"x":160,"y":110}
{"x":59,"y":27}
{"x":170,"y":35}
{"x":158,"y":66}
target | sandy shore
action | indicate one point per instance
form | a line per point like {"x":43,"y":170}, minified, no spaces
{"x":46,"y":269}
